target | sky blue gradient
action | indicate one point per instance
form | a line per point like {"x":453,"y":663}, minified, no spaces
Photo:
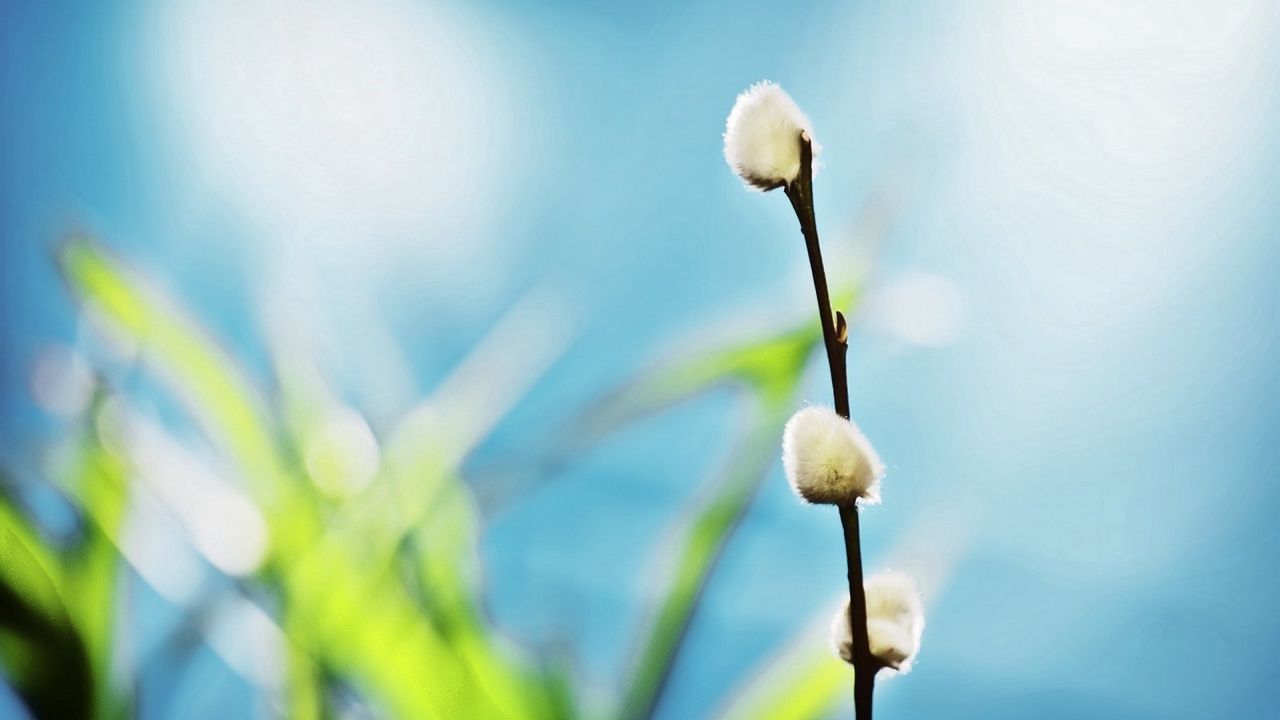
{"x":1098,"y":184}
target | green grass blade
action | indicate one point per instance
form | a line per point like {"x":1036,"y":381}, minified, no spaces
{"x":758,"y":363}
{"x":804,"y":680}
{"x":94,"y":569}
{"x":809,"y":691}
{"x":208,"y":381}
{"x":771,"y":370}
{"x":40,"y":650}
{"x":447,"y":554}
{"x":700,"y":547}
{"x":28,"y":566}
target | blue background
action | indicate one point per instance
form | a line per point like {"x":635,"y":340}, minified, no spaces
{"x":1094,"y":443}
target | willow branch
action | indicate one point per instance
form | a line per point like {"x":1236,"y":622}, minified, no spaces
{"x":835,"y":341}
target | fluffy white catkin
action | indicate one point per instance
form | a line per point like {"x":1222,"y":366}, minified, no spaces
{"x":894,"y":596}
{"x":895,"y":621}
{"x":892,"y":643}
{"x":762,"y":137}
{"x":828,"y":460}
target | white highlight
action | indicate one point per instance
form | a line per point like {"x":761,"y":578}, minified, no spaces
{"x":895,"y":621}
{"x":220,"y":521}
{"x":342,"y":455}
{"x":151,"y":540}
{"x":249,"y":641}
{"x":348,"y":129}
{"x":762,"y":136}
{"x":1104,"y":149}
{"x":828,"y":460}
{"x":920,"y":308}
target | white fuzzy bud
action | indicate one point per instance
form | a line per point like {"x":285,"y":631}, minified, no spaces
{"x":894,"y":596}
{"x":762,"y":137}
{"x":828,"y":460}
{"x":892,"y":643}
{"x":895,"y":622}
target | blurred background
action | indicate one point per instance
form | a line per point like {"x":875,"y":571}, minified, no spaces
{"x":399,"y":359}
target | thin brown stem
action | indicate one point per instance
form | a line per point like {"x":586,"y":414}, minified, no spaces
{"x":835,"y":341}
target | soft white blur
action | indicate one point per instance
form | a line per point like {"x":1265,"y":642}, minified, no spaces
{"x":217,"y":519}
{"x":355,"y":131}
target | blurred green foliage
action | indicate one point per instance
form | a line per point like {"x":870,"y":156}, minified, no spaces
{"x":373,"y":592}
